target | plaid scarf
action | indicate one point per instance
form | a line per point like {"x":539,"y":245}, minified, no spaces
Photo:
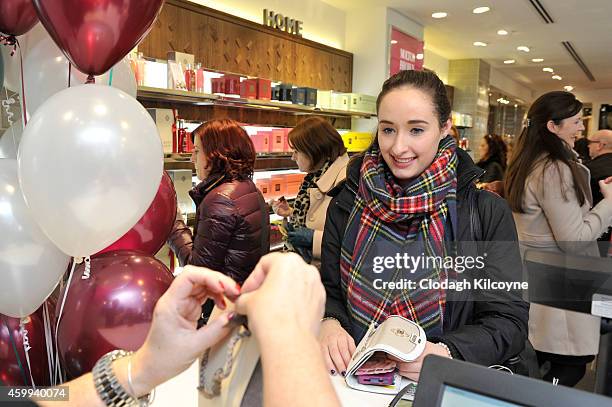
{"x":302,"y":201}
{"x":388,"y":220}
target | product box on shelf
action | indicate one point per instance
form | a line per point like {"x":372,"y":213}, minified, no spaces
{"x":311,"y":97}
{"x":248,"y":89}
{"x":232,"y":84}
{"x":182,"y":58}
{"x":164,"y":119}
{"x":298,"y":96}
{"x":362,"y":103}
{"x":278,"y":186}
{"x":287,"y":147}
{"x":182,"y":180}
{"x":261,"y":141}
{"x":264,"y":89}
{"x":275,"y":92}
{"x":324,"y":99}
{"x":155,"y":74}
{"x":218,"y":85}
{"x":285,"y":92}
{"x":294,"y":181}
{"x":208,"y":77}
{"x":357,"y":142}
{"x":277,"y":145}
{"x":339,"y":101}
{"x":176,"y":77}
{"x":263,"y":184}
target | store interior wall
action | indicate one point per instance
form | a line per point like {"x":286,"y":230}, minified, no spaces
{"x":321,"y":22}
{"x":514,"y":89}
{"x":597,"y":98}
{"x":436,"y":63}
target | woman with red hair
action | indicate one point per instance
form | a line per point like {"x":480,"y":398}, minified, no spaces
{"x":232,"y":222}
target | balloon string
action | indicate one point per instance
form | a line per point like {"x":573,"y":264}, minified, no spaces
{"x":48,"y":342}
{"x":59,"y":318}
{"x":17,"y":358}
{"x":26,"y":349}
{"x":23,"y":96}
{"x":110,"y":77}
{"x":69,"y":72}
{"x":6,"y":103}
{"x":87,"y":272}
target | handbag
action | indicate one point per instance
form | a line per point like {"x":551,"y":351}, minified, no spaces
{"x":226,"y":368}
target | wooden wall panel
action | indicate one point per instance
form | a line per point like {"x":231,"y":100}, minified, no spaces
{"x":228,"y":43}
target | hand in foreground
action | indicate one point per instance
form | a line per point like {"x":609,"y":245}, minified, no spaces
{"x":337,"y":346}
{"x":302,"y":237}
{"x":605,"y":185}
{"x":412,"y":370}
{"x":174,"y":342}
{"x":281,"y":208}
{"x":282,"y":293}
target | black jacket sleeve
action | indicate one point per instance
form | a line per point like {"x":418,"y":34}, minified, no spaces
{"x":335,"y":225}
{"x":497,"y":329}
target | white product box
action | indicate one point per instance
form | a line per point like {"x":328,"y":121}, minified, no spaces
{"x":164,"y":118}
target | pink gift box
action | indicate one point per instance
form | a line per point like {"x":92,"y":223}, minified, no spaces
{"x":261,"y":141}
{"x":277,"y":143}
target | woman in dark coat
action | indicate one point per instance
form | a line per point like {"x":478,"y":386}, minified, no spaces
{"x":412,"y":193}
{"x":232,"y":229}
{"x":492,"y":151}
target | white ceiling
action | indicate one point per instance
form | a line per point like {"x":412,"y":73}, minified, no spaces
{"x":587,"y":24}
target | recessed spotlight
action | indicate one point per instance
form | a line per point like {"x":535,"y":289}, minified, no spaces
{"x":557,"y":77}
{"x":548,"y":70}
{"x":419,"y":56}
{"x":502,"y":32}
{"x":439,"y":14}
{"x":393,"y":42}
{"x":568,"y":88}
{"x":509,"y":61}
{"x":480,"y":44}
{"x":480,"y":10}
{"x":515,"y":105}
{"x":537,"y":60}
{"x":523,"y":48}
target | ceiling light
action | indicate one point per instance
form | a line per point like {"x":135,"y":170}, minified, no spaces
{"x":393,"y":42}
{"x":480,"y":44}
{"x":537,"y":60}
{"x":502,"y":32}
{"x":509,"y":61}
{"x":568,"y":88}
{"x":480,"y":10}
{"x":557,"y":77}
{"x":419,"y":56}
{"x":515,"y":105}
{"x":439,"y":14}
{"x":548,"y":70}
{"x":523,"y":48}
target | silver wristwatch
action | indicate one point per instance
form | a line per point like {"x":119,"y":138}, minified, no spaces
{"x":109,"y":389}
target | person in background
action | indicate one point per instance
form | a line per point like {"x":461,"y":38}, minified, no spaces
{"x":283,"y":300}
{"x":492,"y":151}
{"x":232,"y":222}
{"x":600,"y":151}
{"x":318,"y":149}
{"x":454,"y":133}
{"x":411,"y":193}
{"x":548,"y":191}
{"x":581,"y":146}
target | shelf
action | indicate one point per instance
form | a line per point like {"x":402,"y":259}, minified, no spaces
{"x":205,"y":99}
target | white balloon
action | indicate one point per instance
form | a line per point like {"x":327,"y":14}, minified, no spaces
{"x":30,"y":265}
{"x":90,"y":162}
{"x":9,"y":141}
{"x":46,"y":73}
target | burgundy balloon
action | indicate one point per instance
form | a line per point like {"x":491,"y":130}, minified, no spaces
{"x":96,"y":34}
{"x":12,"y":352}
{"x":152,"y":230}
{"x":17,"y":17}
{"x":111,"y":310}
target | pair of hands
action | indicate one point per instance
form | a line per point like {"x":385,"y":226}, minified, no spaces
{"x":282,"y":292}
{"x":338,"y":348}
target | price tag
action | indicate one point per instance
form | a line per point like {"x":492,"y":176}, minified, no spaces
{"x":601,"y":305}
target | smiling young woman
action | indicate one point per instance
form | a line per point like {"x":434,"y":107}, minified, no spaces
{"x":411,"y":192}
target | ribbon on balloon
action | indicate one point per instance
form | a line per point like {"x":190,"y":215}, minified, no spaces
{"x":26,"y":349}
{"x":14,"y":42}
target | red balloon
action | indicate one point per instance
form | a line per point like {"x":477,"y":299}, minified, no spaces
{"x":95,"y":35}
{"x":152,"y":230}
{"x":12,"y":353}
{"x":17,"y":17}
{"x":111,"y":310}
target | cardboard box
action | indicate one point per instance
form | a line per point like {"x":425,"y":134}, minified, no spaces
{"x":218,"y":85}
{"x":232,"y":84}
{"x":285,"y":92}
{"x":164,"y":119}
{"x":264,"y":89}
{"x":298,"y":96}
{"x":155,"y":74}
{"x":324,"y":99}
{"x":248,"y":89}
{"x":261,"y":141}
{"x":181,"y":57}
{"x":176,"y":77}
{"x":278,"y":186}
{"x":263,"y":184}
{"x":362,"y":103}
{"x":339,"y":101}
{"x":311,"y":97}
{"x":277,"y":144}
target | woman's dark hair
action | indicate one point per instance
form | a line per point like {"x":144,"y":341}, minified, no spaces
{"x":318,"y":140}
{"x":228,"y":148}
{"x":537,"y":142}
{"x":425,"y":81}
{"x":497,"y":150}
